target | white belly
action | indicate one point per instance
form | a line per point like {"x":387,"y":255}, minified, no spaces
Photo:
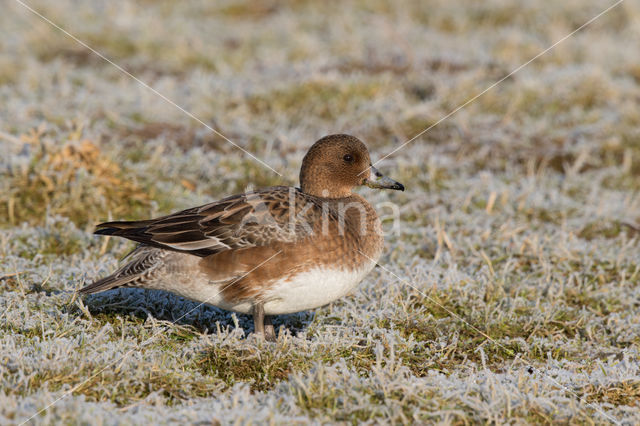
{"x":303,"y":291}
{"x":312,"y":289}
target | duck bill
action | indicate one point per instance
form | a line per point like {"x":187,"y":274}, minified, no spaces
{"x":379,"y":181}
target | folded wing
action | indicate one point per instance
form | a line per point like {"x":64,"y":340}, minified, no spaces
{"x":273,"y":215}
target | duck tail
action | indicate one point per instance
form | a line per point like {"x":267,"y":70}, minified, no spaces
{"x":143,"y":261}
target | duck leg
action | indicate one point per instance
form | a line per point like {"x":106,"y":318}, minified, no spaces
{"x":262,"y":323}
{"x":258,"y":318}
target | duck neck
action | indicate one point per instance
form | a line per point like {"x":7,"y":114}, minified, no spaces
{"x":326,"y":191}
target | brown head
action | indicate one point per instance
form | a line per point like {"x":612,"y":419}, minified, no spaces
{"x":336,"y":164}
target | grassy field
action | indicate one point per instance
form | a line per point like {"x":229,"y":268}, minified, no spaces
{"x":509,"y":293}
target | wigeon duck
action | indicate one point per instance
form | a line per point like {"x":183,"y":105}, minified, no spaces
{"x":272,"y":251}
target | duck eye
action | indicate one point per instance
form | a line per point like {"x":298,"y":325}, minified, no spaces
{"x":348,"y":158}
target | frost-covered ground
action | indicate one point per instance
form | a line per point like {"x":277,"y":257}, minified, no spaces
{"x":510,"y":293}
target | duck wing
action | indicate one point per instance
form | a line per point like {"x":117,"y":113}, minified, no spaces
{"x":255,"y":219}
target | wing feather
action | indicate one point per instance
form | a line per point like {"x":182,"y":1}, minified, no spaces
{"x":246,"y":220}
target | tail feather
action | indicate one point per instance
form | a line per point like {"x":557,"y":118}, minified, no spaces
{"x":107,"y":283}
{"x":143,"y":260}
